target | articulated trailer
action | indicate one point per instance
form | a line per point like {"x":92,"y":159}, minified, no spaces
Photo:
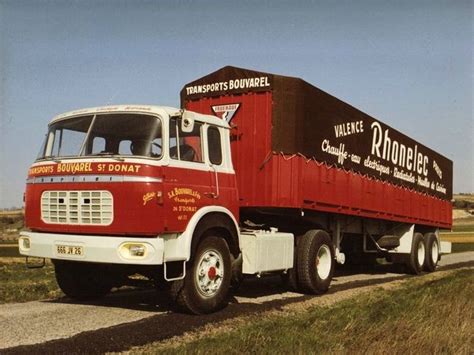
{"x":257,"y":173}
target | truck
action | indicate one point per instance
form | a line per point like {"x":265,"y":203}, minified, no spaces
{"x":255,"y":174}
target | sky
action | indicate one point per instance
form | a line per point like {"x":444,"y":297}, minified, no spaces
{"x":407,"y":63}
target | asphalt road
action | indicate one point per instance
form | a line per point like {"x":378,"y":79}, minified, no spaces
{"x":130,"y":318}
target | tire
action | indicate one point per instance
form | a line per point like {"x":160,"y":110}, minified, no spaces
{"x":206,"y":286}
{"x":315,"y":264}
{"x":82,"y":281}
{"x":416,"y":260}
{"x":432,"y":252}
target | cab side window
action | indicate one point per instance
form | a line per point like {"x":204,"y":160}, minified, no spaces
{"x":215,"y":145}
{"x":185,"y":146}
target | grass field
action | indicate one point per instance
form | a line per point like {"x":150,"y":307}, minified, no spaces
{"x":20,"y":284}
{"x":458,"y":237}
{"x":460,"y":247}
{"x":11,"y":222}
{"x":10,"y":213}
{"x":465,"y":226}
{"x":414,"y":319}
{"x":9,"y":250}
{"x":462,"y":236}
{"x":464,"y":197}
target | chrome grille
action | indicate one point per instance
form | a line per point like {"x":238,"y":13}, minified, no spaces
{"x":77,"y":207}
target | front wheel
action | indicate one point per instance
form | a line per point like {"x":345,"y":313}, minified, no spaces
{"x":82,"y":281}
{"x":315,"y":262}
{"x":205,"y":287}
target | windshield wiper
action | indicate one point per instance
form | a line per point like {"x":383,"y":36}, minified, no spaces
{"x":51,"y":157}
{"x":108,"y":154}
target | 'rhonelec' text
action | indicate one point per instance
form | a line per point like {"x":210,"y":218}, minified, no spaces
{"x":399,"y":154}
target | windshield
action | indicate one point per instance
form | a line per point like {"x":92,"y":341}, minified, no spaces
{"x":104,"y":135}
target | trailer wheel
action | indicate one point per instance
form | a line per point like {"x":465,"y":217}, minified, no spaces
{"x":81,"y":281}
{"x":315,"y":264}
{"x":432,"y":252}
{"x":416,"y":260}
{"x":206,"y":285}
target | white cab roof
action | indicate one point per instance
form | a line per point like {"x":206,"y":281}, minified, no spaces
{"x":150,"y":109}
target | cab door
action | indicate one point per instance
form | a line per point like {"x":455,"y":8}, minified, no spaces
{"x":187,"y":178}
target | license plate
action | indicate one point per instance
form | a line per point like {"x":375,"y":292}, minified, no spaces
{"x":69,"y":250}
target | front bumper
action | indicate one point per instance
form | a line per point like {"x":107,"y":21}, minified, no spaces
{"x":100,"y":249}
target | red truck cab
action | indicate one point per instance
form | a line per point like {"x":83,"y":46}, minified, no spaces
{"x":141,"y":176}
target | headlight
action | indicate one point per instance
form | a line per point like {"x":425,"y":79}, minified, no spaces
{"x":24,"y":243}
{"x":133,"y":250}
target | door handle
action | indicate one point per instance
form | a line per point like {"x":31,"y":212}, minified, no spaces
{"x":215,"y":195}
{"x":210,"y":194}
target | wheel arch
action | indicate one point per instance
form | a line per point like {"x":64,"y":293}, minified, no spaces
{"x":206,"y":219}
{"x":220,"y":223}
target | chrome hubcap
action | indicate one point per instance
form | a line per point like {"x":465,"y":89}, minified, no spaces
{"x":323,"y":262}
{"x":209,"y":273}
{"x":435,"y":252}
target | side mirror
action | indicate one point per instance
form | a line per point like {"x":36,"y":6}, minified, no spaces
{"x":187,"y":122}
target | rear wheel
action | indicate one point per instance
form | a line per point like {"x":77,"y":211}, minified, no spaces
{"x":205,"y":287}
{"x":82,"y":281}
{"x":315,"y":264}
{"x":432,"y":252}
{"x":416,"y":260}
